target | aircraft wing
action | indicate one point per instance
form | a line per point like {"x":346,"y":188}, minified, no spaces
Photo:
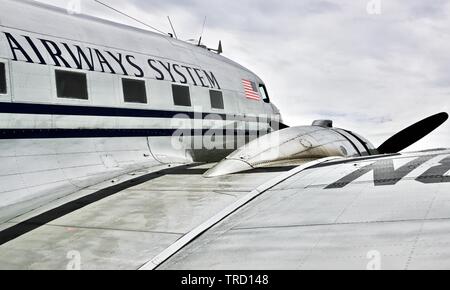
{"x":387,"y":212}
{"x":124,"y":222}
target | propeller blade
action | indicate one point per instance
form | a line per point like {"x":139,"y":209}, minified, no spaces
{"x":412,"y":134}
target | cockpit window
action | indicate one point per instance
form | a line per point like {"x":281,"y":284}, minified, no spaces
{"x":264,"y":94}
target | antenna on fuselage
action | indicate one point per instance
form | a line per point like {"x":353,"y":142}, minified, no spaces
{"x":201,"y":34}
{"x":219,"y":49}
{"x":128,"y":16}
{"x":173,"y":29}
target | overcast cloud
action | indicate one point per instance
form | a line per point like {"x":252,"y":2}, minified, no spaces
{"x":371,"y":73}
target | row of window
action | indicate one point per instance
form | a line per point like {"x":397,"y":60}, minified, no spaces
{"x":73,"y":85}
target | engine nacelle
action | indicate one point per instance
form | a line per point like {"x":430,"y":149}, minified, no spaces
{"x":301,"y":144}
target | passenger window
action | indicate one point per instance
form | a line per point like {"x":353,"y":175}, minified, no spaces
{"x":216,"y":99}
{"x":71,"y":85}
{"x":263,"y":92}
{"x":181,"y":95}
{"x":134,"y":91}
{"x":3,"y":89}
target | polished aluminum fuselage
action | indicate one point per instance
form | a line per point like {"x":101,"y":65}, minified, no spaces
{"x":51,"y":146}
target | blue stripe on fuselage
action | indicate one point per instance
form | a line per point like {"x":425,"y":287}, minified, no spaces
{"x":67,"y":110}
{"x":118,"y":133}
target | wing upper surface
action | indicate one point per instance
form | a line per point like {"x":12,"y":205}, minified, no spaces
{"x":394,"y":210}
{"x":332,"y":215}
{"x":121,"y":223}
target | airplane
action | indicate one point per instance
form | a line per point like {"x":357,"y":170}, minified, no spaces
{"x":121,"y":148}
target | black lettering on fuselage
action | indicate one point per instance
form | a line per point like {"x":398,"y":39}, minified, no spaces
{"x":212,"y":80}
{"x":119,"y":60}
{"x":188,"y":69}
{"x":176,"y":69}
{"x":102,"y":60}
{"x":47,"y":52}
{"x":55,"y":53}
{"x":197,"y":72}
{"x":383,"y":172}
{"x":36,"y":51}
{"x":168,"y":69}
{"x":81,"y":56}
{"x":15,"y":46}
{"x":138,"y":68}
{"x":160,"y":76}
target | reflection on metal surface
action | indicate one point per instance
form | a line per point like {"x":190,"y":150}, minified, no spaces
{"x":155,"y":262}
{"x":308,"y":142}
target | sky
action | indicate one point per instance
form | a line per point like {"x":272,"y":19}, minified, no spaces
{"x":372,"y":66}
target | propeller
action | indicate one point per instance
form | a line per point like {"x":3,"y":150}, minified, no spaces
{"x":412,"y":134}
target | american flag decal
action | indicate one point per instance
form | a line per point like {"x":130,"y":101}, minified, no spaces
{"x":251,"y":91}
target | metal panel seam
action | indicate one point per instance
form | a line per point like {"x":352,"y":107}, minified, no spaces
{"x":196,"y":232}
